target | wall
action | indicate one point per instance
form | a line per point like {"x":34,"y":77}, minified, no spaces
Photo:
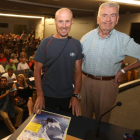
{"x":38,"y":26}
{"x":79,"y":27}
{"x":11,"y":22}
{"x":125,"y":21}
{"x":32,"y":24}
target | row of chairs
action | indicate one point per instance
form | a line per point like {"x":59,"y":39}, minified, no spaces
{"x":25,"y":72}
{"x":130,"y":75}
{"x":4,"y":65}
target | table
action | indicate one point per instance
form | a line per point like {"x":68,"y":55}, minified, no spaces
{"x":80,"y":125}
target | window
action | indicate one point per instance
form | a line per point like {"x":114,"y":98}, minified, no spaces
{"x":3,"y":25}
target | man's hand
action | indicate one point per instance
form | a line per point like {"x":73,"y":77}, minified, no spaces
{"x":7,"y":92}
{"x":39,"y":104}
{"x":118,"y":78}
{"x":75,"y":104}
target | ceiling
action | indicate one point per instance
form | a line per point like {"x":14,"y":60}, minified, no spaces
{"x":48,"y":8}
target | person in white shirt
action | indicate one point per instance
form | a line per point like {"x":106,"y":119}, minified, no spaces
{"x":22,"y":65}
{"x":9,"y":75}
{"x":1,"y":69}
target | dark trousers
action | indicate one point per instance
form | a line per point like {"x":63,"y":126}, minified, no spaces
{"x":58,"y":103}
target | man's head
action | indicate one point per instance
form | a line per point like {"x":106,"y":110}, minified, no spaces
{"x":23,"y":60}
{"x":63,"y":22}
{"x":3,"y":82}
{"x":108,"y":16}
{"x":1,"y":55}
{"x":10,"y":62}
{"x":10,"y":71}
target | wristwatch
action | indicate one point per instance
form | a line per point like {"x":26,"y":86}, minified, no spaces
{"x":123,"y":71}
{"x":77,"y":96}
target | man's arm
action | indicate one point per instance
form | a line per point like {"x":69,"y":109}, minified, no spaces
{"x":5,"y":94}
{"x":40,"y":101}
{"x":74,"y":102}
{"x":119,"y":75}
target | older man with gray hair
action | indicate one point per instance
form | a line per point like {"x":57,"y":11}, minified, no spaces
{"x":104,"y":49}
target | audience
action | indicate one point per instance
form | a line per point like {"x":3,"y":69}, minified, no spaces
{"x":23,"y":93}
{"x":10,"y":75}
{"x":10,"y":65}
{"x":7,"y":108}
{"x":22,"y":65}
{"x":13,"y":48}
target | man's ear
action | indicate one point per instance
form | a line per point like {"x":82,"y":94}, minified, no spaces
{"x":117,"y":19}
{"x":55,"y":21}
{"x":97,"y":20}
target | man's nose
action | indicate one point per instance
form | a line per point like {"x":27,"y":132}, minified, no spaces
{"x":64,"y":25}
{"x":108,"y":18}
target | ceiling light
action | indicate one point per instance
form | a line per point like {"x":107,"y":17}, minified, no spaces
{"x":21,"y":16}
{"x":127,"y":1}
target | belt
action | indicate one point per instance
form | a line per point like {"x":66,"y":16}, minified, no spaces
{"x":99,"y":77}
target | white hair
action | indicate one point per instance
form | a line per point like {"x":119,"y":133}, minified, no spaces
{"x":109,"y":4}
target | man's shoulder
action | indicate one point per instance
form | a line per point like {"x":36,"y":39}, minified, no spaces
{"x":5,"y":74}
{"x":75,"y":40}
{"x":45,"y":40}
{"x":121,"y":34}
{"x":88,"y":34}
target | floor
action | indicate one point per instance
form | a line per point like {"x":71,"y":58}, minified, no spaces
{"x":127,"y":115}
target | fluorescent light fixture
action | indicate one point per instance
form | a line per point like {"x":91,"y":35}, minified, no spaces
{"x":127,"y":1}
{"x":21,"y":16}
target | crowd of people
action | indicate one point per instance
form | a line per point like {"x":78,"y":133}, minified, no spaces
{"x":16,"y":53}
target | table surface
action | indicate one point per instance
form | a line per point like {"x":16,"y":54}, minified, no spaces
{"x":80,"y":125}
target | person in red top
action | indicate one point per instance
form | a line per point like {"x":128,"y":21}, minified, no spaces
{"x":3,"y":60}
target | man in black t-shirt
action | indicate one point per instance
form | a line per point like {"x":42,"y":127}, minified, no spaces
{"x":60,"y":57}
{"x":7,"y":109}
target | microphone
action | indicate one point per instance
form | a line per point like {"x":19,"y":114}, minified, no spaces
{"x":96,"y":135}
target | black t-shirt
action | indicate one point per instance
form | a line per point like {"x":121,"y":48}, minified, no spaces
{"x":3,"y":90}
{"x":58,"y":79}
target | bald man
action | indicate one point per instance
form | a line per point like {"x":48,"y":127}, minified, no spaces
{"x":60,"y":57}
{"x":11,"y":64}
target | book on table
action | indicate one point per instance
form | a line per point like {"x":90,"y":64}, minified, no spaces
{"x":46,"y":126}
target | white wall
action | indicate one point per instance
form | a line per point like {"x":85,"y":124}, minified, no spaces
{"x":38,"y":26}
{"x":79,"y":27}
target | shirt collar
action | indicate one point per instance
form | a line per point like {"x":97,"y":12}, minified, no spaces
{"x":107,"y":36}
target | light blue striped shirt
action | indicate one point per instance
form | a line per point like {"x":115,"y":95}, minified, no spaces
{"x":103,"y":57}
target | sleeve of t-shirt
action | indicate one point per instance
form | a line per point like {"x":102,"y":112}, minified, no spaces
{"x":41,"y":52}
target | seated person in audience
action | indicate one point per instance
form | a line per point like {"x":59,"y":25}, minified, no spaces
{"x":23,"y":55}
{"x":7,"y":108}
{"x":23,"y":93}
{"x":6,"y":54}
{"x":22,"y":65}
{"x":10,"y":75}
{"x":2,"y":69}
{"x":3,"y":60}
{"x":14,"y":57}
{"x":11,"y":64}
{"x":31,"y":63}
{"x":15,"y":51}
